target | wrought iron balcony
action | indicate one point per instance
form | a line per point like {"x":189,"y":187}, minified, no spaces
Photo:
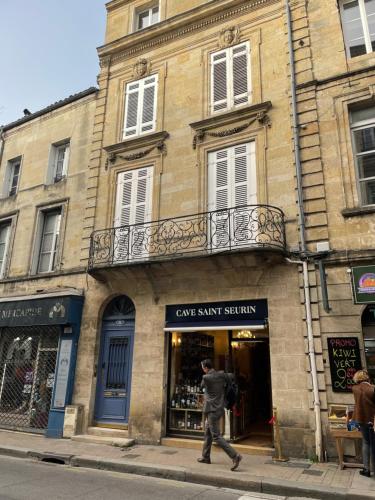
{"x":229,"y":230}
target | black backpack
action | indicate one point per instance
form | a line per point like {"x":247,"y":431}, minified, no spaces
{"x":231,"y":393}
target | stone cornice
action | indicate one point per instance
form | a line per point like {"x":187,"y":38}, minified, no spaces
{"x":199,"y":18}
{"x":222,"y":119}
{"x":256,"y":112}
{"x":125,"y":150}
{"x":114,"y":4}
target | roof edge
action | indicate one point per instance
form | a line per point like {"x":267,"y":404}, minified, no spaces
{"x":51,"y":107}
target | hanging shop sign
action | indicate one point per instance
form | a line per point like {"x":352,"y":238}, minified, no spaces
{"x":234,"y":313}
{"x":47,"y":311}
{"x":344,"y":360}
{"x":363,"y":282}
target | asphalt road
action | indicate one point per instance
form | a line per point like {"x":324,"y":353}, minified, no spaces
{"x":29,"y":480}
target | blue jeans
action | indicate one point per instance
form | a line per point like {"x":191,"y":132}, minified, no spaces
{"x":368,"y":445}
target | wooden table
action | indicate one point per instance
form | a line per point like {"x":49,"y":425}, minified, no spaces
{"x":340,"y":435}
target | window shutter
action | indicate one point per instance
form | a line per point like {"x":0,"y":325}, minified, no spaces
{"x":240,"y":67}
{"x":124,"y":198}
{"x":219,"y":198}
{"x":131,"y":109}
{"x":142,"y":214}
{"x":133,"y":206}
{"x":244,"y":175}
{"x":149,"y":104}
{"x":219,"y":80}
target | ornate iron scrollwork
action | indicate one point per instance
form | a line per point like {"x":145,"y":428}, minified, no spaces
{"x":232,"y":229}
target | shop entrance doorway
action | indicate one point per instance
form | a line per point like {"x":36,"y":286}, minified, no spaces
{"x":27,"y":374}
{"x":251,"y":367}
{"x":244,"y":353}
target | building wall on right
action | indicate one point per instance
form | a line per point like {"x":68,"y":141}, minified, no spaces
{"x":335,"y":57}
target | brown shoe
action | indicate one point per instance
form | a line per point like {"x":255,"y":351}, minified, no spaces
{"x":236,"y":462}
{"x":203,"y":460}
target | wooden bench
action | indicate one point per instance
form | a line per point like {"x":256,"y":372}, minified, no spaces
{"x":340,"y":435}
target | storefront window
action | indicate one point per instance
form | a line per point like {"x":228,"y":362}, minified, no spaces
{"x":244,"y":353}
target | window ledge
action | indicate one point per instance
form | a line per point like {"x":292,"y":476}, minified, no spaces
{"x":148,"y":141}
{"x":61,"y":182}
{"x":358,"y":211}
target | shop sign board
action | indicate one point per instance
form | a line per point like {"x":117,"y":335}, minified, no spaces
{"x":219,"y":313}
{"x":47,"y":311}
{"x":363,"y":282}
{"x":62,"y":375}
{"x":344,"y":360}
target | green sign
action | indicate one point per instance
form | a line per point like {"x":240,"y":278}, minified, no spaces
{"x":363,"y":281}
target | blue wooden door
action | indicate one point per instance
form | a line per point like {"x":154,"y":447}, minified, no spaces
{"x":114,"y":371}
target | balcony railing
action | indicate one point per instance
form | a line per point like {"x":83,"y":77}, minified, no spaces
{"x":232,"y":229}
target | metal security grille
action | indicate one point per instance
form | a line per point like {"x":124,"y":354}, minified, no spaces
{"x":27,"y":372}
{"x":116,"y":374}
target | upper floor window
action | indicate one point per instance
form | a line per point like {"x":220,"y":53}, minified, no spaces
{"x":5,"y":230}
{"x":140,"y":106}
{"x":47,"y":240}
{"x":358,"y":21}
{"x":230,"y":78}
{"x":12,"y":176}
{"x":58,"y":164}
{"x":145,"y":17}
{"x":363,"y":133}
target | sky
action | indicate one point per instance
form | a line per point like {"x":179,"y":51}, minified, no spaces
{"x":48,"y":52}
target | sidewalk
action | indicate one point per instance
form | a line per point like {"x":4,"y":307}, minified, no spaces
{"x":256,"y":473}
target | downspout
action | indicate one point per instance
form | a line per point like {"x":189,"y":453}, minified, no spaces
{"x":301,"y":224}
{"x":1,"y":143}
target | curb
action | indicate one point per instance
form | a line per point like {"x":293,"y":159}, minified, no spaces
{"x":257,"y":484}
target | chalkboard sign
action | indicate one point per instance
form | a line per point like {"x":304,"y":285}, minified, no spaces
{"x":345,"y":360}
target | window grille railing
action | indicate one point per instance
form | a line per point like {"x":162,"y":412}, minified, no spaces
{"x":232,"y":229}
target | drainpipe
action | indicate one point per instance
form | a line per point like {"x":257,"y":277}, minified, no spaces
{"x":1,"y":143}
{"x":301,"y":224}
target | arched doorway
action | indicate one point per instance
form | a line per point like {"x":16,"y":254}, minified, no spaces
{"x":368,"y":329}
{"x":115,"y":362}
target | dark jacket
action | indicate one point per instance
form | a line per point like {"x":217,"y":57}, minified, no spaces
{"x":214,"y":384}
{"x":364,"y":398}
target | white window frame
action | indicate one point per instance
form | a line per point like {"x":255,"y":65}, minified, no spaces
{"x":8,"y":223}
{"x":53,"y":161}
{"x":142,"y":85}
{"x":222,"y":219}
{"x":364,"y":23}
{"x":361,"y":125}
{"x":230,"y":98}
{"x":135,"y":229}
{"x":9,"y":177}
{"x":142,"y":10}
{"x":56,"y":240}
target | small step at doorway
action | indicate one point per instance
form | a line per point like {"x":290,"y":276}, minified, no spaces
{"x":196,"y":444}
{"x":105,"y":435}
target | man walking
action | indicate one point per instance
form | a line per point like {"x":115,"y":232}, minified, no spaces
{"x":214,"y":384}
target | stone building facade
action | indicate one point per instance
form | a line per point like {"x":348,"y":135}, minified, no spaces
{"x":180,"y":248}
{"x":43,"y":164}
{"x":215,"y":219}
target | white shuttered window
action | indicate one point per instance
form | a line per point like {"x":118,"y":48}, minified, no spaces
{"x":140,"y":106}
{"x":133,"y":206}
{"x":230,"y":78}
{"x":231,"y":183}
